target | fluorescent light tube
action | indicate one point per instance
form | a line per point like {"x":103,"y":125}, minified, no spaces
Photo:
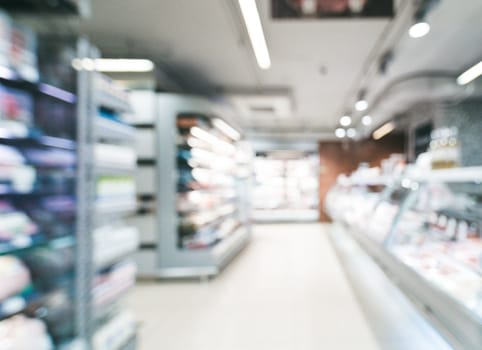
{"x":470,"y":74}
{"x":384,"y":130}
{"x":227,"y":129}
{"x":114,"y":65}
{"x":255,"y":32}
{"x":123,"y":65}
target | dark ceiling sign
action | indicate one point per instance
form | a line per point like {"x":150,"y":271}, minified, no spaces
{"x":301,"y":9}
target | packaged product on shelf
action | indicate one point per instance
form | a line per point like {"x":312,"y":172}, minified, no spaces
{"x":108,"y":286}
{"x":55,"y":215}
{"x":15,"y":175}
{"x":22,"y":333}
{"x":15,"y":226}
{"x":114,"y":333}
{"x":14,"y":277}
{"x":55,"y":118}
{"x":445,"y":148}
{"x":23,"y":52}
{"x":5,"y":28}
{"x":16,"y":112}
{"x":49,"y":268}
{"x":114,"y":241}
{"x":109,"y":156}
{"x":56,"y":310}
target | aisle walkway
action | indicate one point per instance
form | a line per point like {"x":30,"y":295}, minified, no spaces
{"x":286,"y":291}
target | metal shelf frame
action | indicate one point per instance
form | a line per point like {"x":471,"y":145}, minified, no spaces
{"x":91,"y":129}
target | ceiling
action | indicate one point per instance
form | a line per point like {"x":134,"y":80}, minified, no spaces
{"x":317,"y":65}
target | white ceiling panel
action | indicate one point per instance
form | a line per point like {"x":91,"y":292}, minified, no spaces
{"x":317,"y":62}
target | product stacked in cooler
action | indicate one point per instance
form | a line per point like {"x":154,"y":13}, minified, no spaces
{"x":430,"y":223}
{"x":114,"y":242}
{"x":207,"y":202}
{"x":37,"y":200}
{"x":440,"y":237}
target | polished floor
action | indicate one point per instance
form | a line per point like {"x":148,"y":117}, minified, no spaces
{"x":286,"y":291}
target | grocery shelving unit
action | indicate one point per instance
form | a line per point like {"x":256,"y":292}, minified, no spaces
{"x":435,"y":264}
{"x":164,"y":254}
{"x":38,"y":179}
{"x":106,"y":196}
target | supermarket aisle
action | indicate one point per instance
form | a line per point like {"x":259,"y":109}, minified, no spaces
{"x":285,"y":291}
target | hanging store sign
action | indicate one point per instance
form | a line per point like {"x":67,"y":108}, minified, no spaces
{"x":301,"y":9}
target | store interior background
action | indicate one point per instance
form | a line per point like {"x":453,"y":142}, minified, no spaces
{"x":176,"y":199}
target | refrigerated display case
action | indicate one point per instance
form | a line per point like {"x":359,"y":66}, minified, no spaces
{"x":426,"y":231}
{"x":286,"y":189}
{"x":193,"y":186}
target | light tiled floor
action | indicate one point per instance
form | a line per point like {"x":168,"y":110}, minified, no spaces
{"x":286,"y":290}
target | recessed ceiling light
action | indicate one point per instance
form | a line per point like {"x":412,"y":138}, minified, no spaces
{"x":345,"y":120}
{"x":366,"y":120}
{"x":351,"y":133}
{"x":361,"y":105}
{"x":419,"y":30}
{"x":470,"y":74}
{"x":340,"y":133}
{"x":255,"y":32}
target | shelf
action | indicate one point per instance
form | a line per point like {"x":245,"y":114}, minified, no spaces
{"x":59,"y":7}
{"x":115,"y":208}
{"x":11,"y":78}
{"x":113,"y":170}
{"x":468,"y":174}
{"x":6,"y":191}
{"x":113,"y":130}
{"x":21,"y":243}
{"x":38,"y":141}
{"x":116,"y":104}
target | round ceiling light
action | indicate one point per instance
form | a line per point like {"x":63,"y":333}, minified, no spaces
{"x":345,"y":120}
{"x":419,"y":30}
{"x":340,"y":133}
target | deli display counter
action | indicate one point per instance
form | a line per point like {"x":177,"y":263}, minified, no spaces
{"x":425,"y":231}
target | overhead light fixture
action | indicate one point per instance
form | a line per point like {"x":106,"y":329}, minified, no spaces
{"x":419,"y":29}
{"x":123,"y":65}
{"x":351,"y":133}
{"x":345,"y":120}
{"x":228,"y":130}
{"x":470,"y":74}
{"x":340,"y":133}
{"x":255,"y":32}
{"x":384,"y":130}
{"x":361,"y":105}
{"x":366,"y":120}
{"x":114,"y":65}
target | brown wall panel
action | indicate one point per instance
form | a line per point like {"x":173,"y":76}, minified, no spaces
{"x":343,"y":157}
